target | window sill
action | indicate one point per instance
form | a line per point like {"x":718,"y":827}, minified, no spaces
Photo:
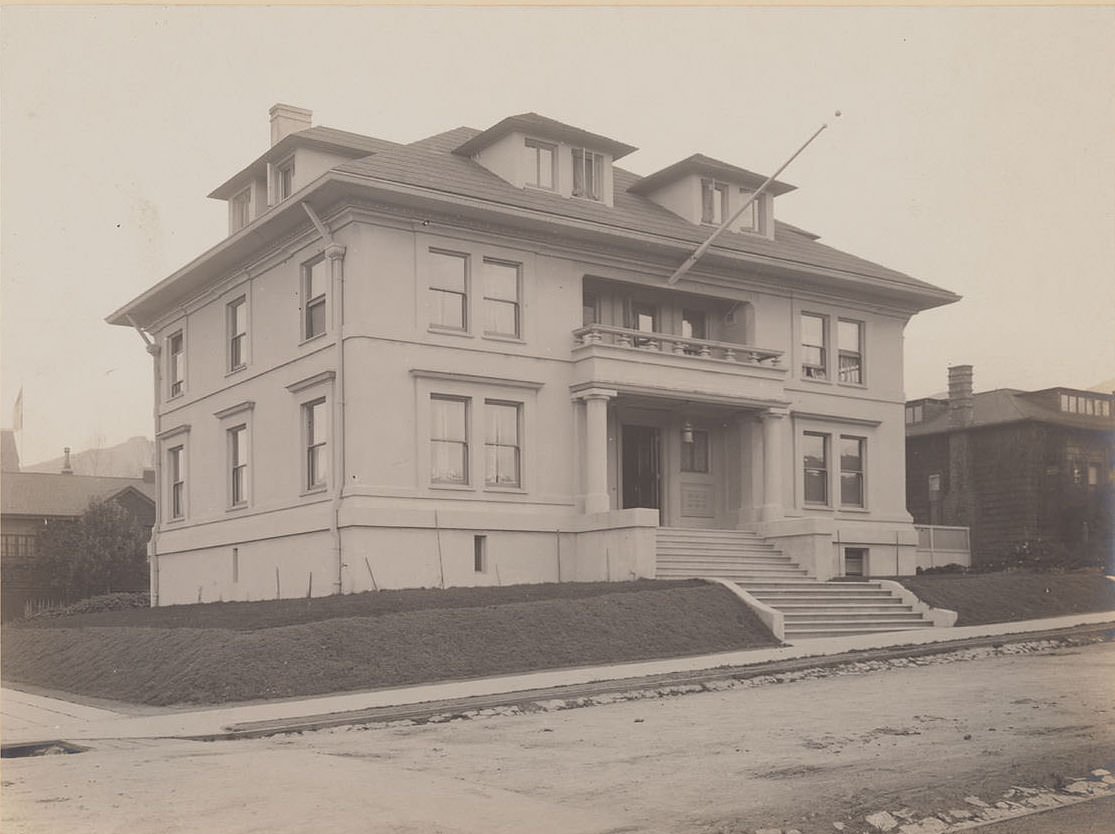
{"x":859,"y":385}
{"x":447,"y":331}
{"x":505,"y":490}
{"x":857,"y":510}
{"x":314,"y":338}
{"x":453,"y":487}
{"x":239,"y":369}
{"x":317,"y":490}
{"x":500,"y":337}
{"x":237,"y":508}
{"x":178,"y":396}
{"x":820,"y":380}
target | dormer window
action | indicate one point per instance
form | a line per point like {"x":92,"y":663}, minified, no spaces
{"x":749,"y":219}
{"x":588,"y":174}
{"x":240,"y":210}
{"x":284,"y":179}
{"x":714,"y":202}
{"x":540,"y":164}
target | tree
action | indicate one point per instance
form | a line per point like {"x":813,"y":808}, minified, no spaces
{"x":103,"y":551}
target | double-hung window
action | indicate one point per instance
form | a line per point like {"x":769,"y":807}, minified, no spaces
{"x":238,"y":466}
{"x":814,"y":347}
{"x":749,"y":217}
{"x":315,"y":429}
{"x":449,"y":440}
{"x":851,"y":471}
{"x":176,"y":481}
{"x":849,"y":345}
{"x":501,"y":444}
{"x":284,"y":179}
{"x":176,"y":363}
{"x":501,"y":298}
{"x":238,"y":333}
{"x":714,"y":202}
{"x":448,"y":294}
{"x":541,"y":161}
{"x":315,"y":287}
{"x":588,"y":174}
{"x":815,"y":465}
{"x":240,"y":210}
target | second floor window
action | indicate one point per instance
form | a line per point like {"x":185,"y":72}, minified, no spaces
{"x":448,"y":291}
{"x":588,"y":174}
{"x":714,"y":202}
{"x":849,"y":345}
{"x":176,"y":481}
{"x":814,"y":353}
{"x":237,"y":334}
{"x":448,"y":440}
{"x":176,"y":364}
{"x":316,"y":434}
{"x":501,"y":298}
{"x":315,"y":283}
{"x":540,"y":164}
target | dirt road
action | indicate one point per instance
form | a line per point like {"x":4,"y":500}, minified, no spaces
{"x":798,"y":755}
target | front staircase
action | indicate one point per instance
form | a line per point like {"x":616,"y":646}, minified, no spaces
{"x":811,"y":608}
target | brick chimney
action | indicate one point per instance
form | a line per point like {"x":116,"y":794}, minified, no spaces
{"x":961,"y":402}
{"x":286,"y":120}
{"x":67,"y":469}
{"x":148,"y":476}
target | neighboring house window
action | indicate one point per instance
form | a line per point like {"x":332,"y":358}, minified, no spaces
{"x":1093,"y":474}
{"x":814,"y":353}
{"x":237,"y":333}
{"x":241,"y":209}
{"x":694,"y":455}
{"x":749,"y":218}
{"x":501,"y":444}
{"x":238,"y":465}
{"x":176,"y":363}
{"x":284,"y":179}
{"x":714,"y":202}
{"x":18,"y":546}
{"x":849,"y":346}
{"x":316,"y":433}
{"x":540,"y":164}
{"x":448,"y":290}
{"x":176,"y":481}
{"x":915,"y":413}
{"x":315,"y":283}
{"x":815,"y":458}
{"x":448,"y":440}
{"x":588,"y":174}
{"x":501,"y":299}
{"x":851,"y":471}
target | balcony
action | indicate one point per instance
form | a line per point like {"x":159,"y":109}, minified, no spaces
{"x":625,"y":358}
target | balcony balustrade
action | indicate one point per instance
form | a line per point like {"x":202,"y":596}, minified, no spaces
{"x":623,"y":337}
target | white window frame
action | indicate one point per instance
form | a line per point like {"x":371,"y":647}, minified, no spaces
{"x":311,"y":303}
{"x":826,"y":469}
{"x":750,"y":220}
{"x":240,"y":210}
{"x":859,"y":353}
{"x":809,"y":370}
{"x":465,"y":444}
{"x":517,"y":303}
{"x":490,"y":445}
{"x":281,"y":170}
{"x":236,"y":341}
{"x":312,"y":480}
{"x":588,"y":174}
{"x":176,"y":364}
{"x":433,"y":292}
{"x":861,"y":472}
{"x":715,"y":210}
{"x":239,"y":466}
{"x":535,"y":166}
{"x":176,"y":481}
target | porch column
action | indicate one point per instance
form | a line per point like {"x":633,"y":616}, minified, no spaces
{"x":595,"y":450}
{"x":773,"y":422}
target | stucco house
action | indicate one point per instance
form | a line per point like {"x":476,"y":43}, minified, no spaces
{"x":460,"y":361}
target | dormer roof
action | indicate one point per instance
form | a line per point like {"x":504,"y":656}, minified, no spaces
{"x":546,"y":127}
{"x":341,"y":142}
{"x":706,"y":166}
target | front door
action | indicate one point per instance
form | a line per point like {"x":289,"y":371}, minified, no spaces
{"x":641,"y":467}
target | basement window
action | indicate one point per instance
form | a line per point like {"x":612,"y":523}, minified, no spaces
{"x":480,"y":554}
{"x":855,"y":561}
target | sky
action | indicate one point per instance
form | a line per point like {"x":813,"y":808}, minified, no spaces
{"x":976,"y":151}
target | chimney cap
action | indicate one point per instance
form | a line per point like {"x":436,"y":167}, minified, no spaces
{"x":287,"y":119}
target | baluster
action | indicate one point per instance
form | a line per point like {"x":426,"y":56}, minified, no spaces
{"x":704,"y":351}
{"x":730,"y":354}
{"x":679,"y":347}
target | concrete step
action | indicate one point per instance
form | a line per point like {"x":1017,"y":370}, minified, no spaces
{"x":826,"y":618}
{"x":844,"y":631}
{"x":882,"y":607}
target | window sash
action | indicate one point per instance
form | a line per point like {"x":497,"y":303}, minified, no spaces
{"x":588,"y":171}
{"x":284,"y":176}
{"x":177,"y":482}
{"x":317,"y":444}
{"x":238,"y":333}
{"x":714,"y":202}
{"x":814,"y":358}
{"x":501,"y":298}
{"x":238,"y":465}
{"x":176,"y":364}
{"x":241,"y":210}
{"x":448,"y":290}
{"x":501,"y":444}
{"x":749,"y":219}
{"x":815,"y":466}
{"x":540,"y":174}
{"x":449,"y":440}
{"x":849,"y":341}
{"x":851,"y":471}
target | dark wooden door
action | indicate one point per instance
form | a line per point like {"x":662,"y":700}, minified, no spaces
{"x":641,"y":467}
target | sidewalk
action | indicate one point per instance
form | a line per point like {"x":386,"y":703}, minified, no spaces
{"x":26,"y":718}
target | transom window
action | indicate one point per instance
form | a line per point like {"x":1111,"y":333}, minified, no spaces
{"x":316,"y":434}
{"x":448,"y":440}
{"x":238,"y":465}
{"x":815,"y":464}
{"x":501,"y":444}
{"x":448,"y":293}
{"x":851,"y":471}
{"x":714,"y":202}
{"x":814,"y":347}
{"x":315,"y":284}
{"x":501,"y":298}
{"x":237,"y":333}
{"x":694,"y":453}
{"x":540,"y":164}
{"x":176,"y":363}
{"x":588,"y":174}
{"x":849,"y":345}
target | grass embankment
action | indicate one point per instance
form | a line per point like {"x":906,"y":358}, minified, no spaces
{"x":980,"y":598}
{"x":225,"y":652}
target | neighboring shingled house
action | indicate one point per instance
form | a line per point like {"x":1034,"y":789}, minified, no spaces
{"x":29,"y":500}
{"x":463,"y":361}
{"x":1027,"y":471}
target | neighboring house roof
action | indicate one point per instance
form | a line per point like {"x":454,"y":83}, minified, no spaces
{"x":550,"y":128}
{"x":706,"y":166}
{"x":1008,"y":405}
{"x":52,"y":495}
{"x":9,"y":452}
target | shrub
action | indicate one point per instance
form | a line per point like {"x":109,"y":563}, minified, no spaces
{"x":95,"y":605}
{"x":102,"y":552}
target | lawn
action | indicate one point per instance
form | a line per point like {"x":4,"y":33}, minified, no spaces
{"x":1014,"y":595}
{"x":227,"y":652}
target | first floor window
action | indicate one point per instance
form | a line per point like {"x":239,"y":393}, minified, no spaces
{"x":851,"y":471}
{"x":448,"y":290}
{"x":814,"y":359}
{"x":238,"y":465}
{"x":316,"y":430}
{"x":588,"y":173}
{"x":448,"y":440}
{"x":237,"y":333}
{"x":849,"y":344}
{"x":501,"y":444}
{"x":315,"y":283}
{"x":176,"y":363}
{"x":176,"y":481}
{"x":714,"y":202}
{"x":501,"y":298}
{"x":815,"y":463}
